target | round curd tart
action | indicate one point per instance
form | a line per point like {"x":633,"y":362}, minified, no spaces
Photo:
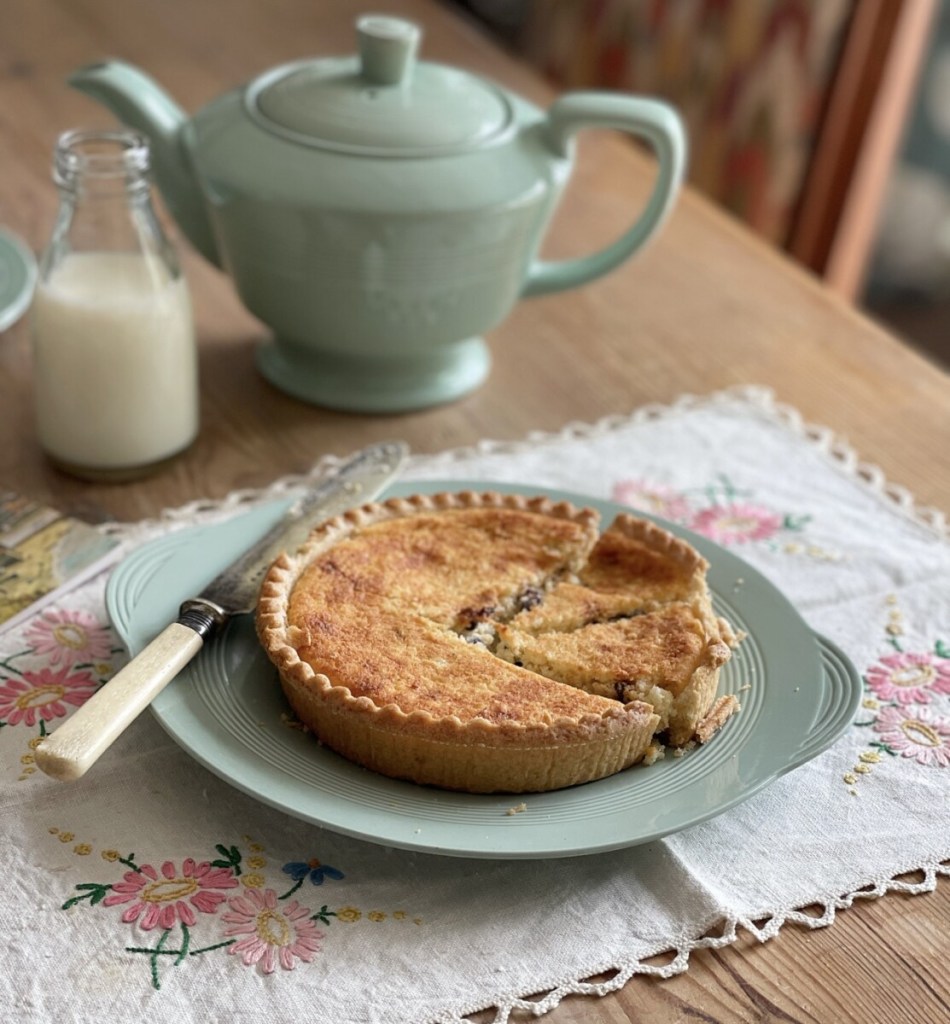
{"x":494,"y":643}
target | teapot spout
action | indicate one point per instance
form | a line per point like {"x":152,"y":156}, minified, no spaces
{"x":139,"y":102}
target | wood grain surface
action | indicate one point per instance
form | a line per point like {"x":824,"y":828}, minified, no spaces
{"x":707,"y":306}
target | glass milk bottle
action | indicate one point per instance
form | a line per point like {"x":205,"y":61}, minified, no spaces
{"x":115,"y":361}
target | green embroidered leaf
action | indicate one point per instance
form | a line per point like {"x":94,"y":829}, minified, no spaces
{"x":92,"y":891}
{"x":185,"y":943}
{"x":231,"y":858}
{"x":323,"y":915}
{"x":207,"y":949}
{"x":729,"y":490}
{"x":941,"y":649}
{"x":790,"y":522}
{"x":293,"y":888}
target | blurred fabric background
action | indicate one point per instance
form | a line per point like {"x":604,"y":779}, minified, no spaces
{"x":795,"y":122}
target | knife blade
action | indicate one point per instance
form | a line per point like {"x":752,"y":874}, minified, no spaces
{"x":69,"y":751}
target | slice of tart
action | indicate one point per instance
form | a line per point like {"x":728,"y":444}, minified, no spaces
{"x":634,"y":567}
{"x":638,"y":625}
{"x":665,"y":657}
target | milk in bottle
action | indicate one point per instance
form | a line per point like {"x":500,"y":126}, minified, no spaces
{"x":115,"y":362}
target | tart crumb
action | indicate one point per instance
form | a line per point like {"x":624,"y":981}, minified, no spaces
{"x":517,"y":809}
{"x":655,"y":752}
{"x":724,"y":708}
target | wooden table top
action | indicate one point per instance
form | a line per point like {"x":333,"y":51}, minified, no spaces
{"x":705,"y":307}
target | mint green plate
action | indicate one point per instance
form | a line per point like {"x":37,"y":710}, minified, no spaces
{"x":17,"y":278}
{"x":798,"y":694}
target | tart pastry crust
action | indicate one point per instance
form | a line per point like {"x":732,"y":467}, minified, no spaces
{"x":492,"y":643}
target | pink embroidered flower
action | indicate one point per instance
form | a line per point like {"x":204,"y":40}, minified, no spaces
{"x":69,"y":637}
{"x":657,"y":499}
{"x":163,"y":896}
{"x":737,"y":523}
{"x":44,"y":694}
{"x":916,"y":734}
{"x":909,"y":678}
{"x":272,"y":934}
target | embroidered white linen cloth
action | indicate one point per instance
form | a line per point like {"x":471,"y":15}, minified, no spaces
{"x":152,"y":890}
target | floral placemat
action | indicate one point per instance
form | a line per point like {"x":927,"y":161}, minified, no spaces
{"x":152,"y":890}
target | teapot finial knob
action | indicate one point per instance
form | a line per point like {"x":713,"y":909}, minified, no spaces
{"x":387,"y":48}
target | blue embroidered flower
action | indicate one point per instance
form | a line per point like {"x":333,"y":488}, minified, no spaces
{"x":298,"y":871}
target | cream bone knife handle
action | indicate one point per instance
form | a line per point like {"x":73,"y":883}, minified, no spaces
{"x":77,"y":744}
{"x":73,"y":748}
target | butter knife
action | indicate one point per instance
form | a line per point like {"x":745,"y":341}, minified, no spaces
{"x":69,"y":751}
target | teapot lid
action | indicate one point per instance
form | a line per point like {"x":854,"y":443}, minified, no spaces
{"x":381,"y":103}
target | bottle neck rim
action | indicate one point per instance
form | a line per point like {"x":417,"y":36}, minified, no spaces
{"x":101,"y":161}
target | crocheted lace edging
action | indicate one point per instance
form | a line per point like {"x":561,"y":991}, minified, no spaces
{"x":760,"y":398}
{"x":725,"y":933}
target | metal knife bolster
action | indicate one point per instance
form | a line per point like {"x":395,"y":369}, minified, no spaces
{"x":235,"y":590}
{"x":204,"y":617}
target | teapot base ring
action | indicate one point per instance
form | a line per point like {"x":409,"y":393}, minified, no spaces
{"x":372,"y":384}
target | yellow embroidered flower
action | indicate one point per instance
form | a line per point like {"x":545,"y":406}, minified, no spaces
{"x":257,"y":848}
{"x":348,"y":914}
{"x":83,"y":849}
{"x":256,"y":862}
{"x":66,"y":837}
{"x":53,"y":830}
{"x":35,"y":742}
{"x":376,"y":915}
{"x":27,"y":759}
{"x":103,"y":668}
{"x":110,"y":854}
{"x":399,"y":915}
{"x":253,"y":881}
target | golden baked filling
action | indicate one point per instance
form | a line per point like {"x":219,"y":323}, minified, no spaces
{"x":457,"y":566}
{"x":489,"y":642}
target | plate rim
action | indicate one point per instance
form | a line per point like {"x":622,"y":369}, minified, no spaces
{"x":19,"y":258}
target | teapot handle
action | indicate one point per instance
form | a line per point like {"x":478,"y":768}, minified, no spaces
{"x":652,"y":120}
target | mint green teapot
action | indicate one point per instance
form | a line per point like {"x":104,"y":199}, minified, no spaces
{"x":380,"y":214}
